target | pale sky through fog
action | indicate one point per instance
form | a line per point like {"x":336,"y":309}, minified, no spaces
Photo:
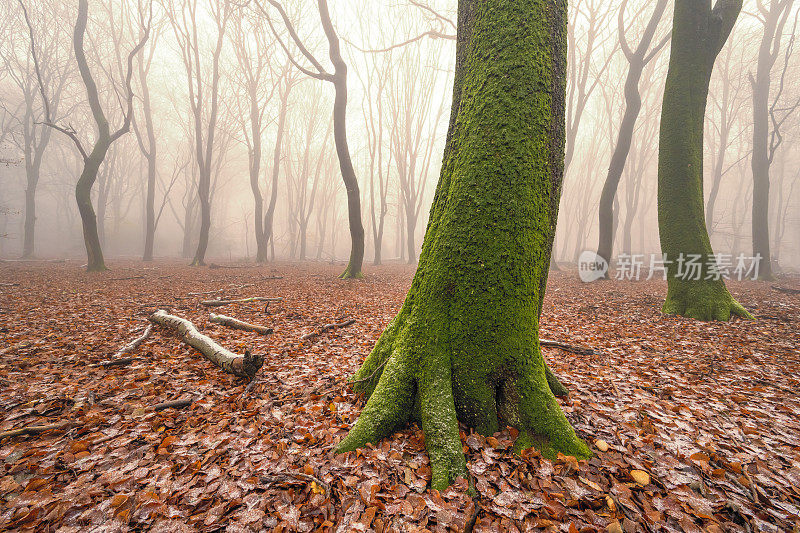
{"x":419,"y":75}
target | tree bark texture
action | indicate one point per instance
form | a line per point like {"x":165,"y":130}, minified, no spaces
{"x":699,"y":33}
{"x":464,"y":346}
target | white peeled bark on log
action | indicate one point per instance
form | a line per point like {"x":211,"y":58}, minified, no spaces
{"x":220,"y":303}
{"x":135,"y":343}
{"x":238,"y":324}
{"x":244,"y":366}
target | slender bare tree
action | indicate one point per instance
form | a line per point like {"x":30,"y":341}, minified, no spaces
{"x":187,"y":25}
{"x":339,"y":80}
{"x":637,"y":59}
{"x":105,"y":137}
{"x":773,"y":16}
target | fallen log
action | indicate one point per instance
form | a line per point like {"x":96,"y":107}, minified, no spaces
{"x":9,"y":284}
{"x":327,"y":327}
{"x":33,"y":430}
{"x":135,"y":343}
{"x":579,"y":350}
{"x":244,"y":366}
{"x":234,"y":323}
{"x":786,"y":290}
{"x":220,"y":303}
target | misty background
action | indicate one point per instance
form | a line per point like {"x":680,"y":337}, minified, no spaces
{"x":398,"y":109}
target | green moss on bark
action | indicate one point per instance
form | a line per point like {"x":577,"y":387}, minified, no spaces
{"x":702,"y":300}
{"x":698,"y":35}
{"x":464,"y":347}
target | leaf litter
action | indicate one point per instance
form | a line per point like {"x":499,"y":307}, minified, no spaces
{"x":695,"y":426}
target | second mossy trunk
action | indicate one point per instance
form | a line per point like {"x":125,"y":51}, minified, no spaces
{"x":698,"y":34}
{"x":465,"y":344}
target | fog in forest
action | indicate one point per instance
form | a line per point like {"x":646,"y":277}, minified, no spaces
{"x":227,"y":107}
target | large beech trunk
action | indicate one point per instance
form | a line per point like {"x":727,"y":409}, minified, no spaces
{"x":698,"y":34}
{"x":464,"y":346}
{"x":243,"y":366}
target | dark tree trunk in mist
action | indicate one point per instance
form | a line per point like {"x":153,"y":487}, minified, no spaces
{"x":719,"y":160}
{"x":339,"y":79}
{"x":188,"y":230}
{"x":491,"y":226}
{"x":269,"y":216}
{"x":103,"y":190}
{"x":91,"y":160}
{"x":411,"y":227}
{"x":774,"y":20}
{"x":186,"y":28}
{"x":151,"y":155}
{"x":34,"y":152}
{"x":83,"y":191}
{"x":699,"y":32}
{"x":255,"y":174}
{"x":637,"y":60}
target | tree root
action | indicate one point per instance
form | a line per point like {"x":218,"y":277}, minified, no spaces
{"x":430,"y":389}
{"x":350,"y":274}
{"x":702,"y":300}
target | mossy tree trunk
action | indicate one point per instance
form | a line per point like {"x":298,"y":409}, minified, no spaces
{"x":465,"y":345}
{"x":698,"y":34}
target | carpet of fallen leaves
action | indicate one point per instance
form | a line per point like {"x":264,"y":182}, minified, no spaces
{"x":696,"y":427}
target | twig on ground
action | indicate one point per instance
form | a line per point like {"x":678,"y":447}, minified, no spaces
{"x":220,"y":303}
{"x":234,"y":323}
{"x":579,"y":350}
{"x":250,"y":386}
{"x":174,"y":404}
{"x":34,"y":430}
{"x":122,"y":361}
{"x":205,"y":292}
{"x":296,"y":478}
{"x":135,"y":343}
{"x":470,"y":526}
{"x":327,"y":327}
{"x":786,"y":290}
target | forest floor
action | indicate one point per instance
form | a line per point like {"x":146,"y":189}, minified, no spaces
{"x":696,"y":426}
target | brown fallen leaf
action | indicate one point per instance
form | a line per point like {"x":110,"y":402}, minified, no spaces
{"x":640,"y":476}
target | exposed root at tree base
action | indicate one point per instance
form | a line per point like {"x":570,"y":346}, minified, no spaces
{"x":702,"y":300}
{"x":427,"y":391}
